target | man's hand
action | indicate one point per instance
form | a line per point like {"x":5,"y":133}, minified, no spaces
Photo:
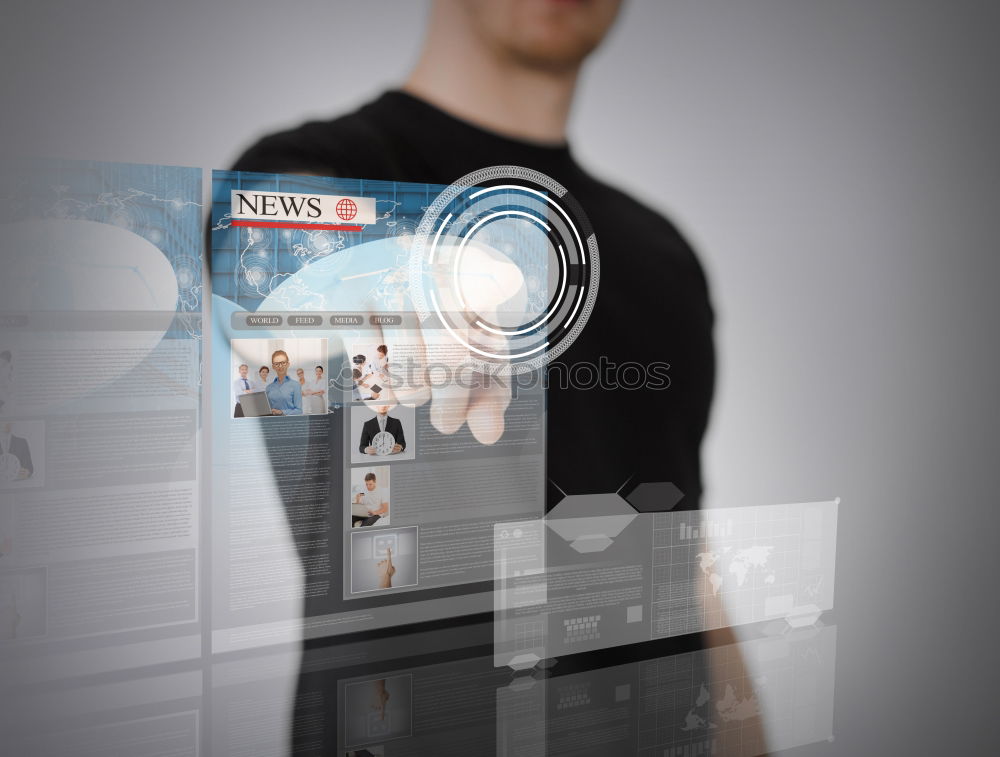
{"x":492,"y":289}
{"x":275,"y":411}
{"x":397,"y":448}
{"x":369,"y":450}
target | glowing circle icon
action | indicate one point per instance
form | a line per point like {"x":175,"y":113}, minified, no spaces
{"x":505,"y":262}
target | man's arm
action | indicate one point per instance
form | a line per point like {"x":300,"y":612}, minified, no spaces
{"x":366,"y":439}
{"x":752,"y":730}
{"x":400,"y":438}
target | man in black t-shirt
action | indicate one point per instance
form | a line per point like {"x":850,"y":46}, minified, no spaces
{"x":493,"y":86}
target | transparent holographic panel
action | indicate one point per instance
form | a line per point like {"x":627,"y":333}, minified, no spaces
{"x":522,"y":722}
{"x":731,"y":566}
{"x":447,"y":708}
{"x":100,"y":414}
{"x":520,"y":594}
{"x":620,"y":577}
{"x":684,"y":700}
{"x":763,"y":695}
{"x":675,"y":699}
{"x":140,"y":715}
{"x":369,"y":499}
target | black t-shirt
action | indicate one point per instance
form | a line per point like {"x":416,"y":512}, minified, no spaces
{"x":652,"y":305}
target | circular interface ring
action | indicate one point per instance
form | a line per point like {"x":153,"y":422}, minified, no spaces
{"x":504,"y":219}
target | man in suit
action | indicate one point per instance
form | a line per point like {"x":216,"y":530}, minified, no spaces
{"x":18,"y":447}
{"x":382,"y":422}
{"x":241,"y":386}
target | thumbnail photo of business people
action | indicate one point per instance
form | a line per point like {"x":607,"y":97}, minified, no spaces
{"x":369,"y":371}
{"x":369,"y":498}
{"x":279,"y":377}
{"x":382,"y":431}
{"x":22,"y":454}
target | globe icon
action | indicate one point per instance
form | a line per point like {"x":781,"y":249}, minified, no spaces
{"x":347,"y":209}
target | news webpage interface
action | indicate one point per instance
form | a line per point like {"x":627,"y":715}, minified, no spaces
{"x":344,"y":425}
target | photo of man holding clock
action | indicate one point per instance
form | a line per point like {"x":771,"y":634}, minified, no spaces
{"x":383,"y":435}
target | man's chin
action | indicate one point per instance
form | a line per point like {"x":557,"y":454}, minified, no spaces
{"x":560,"y":56}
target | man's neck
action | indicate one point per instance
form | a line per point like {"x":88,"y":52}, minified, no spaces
{"x":464,"y":78}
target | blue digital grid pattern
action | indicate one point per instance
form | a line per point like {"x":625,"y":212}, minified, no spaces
{"x":246,"y":261}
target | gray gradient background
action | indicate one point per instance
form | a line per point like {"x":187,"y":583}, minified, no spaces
{"x":834,"y":163}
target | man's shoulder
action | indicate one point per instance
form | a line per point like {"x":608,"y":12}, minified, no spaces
{"x":638,"y":226}
{"x":624,"y":205}
{"x":325,"y":147}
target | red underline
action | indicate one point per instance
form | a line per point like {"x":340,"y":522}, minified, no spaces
{"x":291,"y":225}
